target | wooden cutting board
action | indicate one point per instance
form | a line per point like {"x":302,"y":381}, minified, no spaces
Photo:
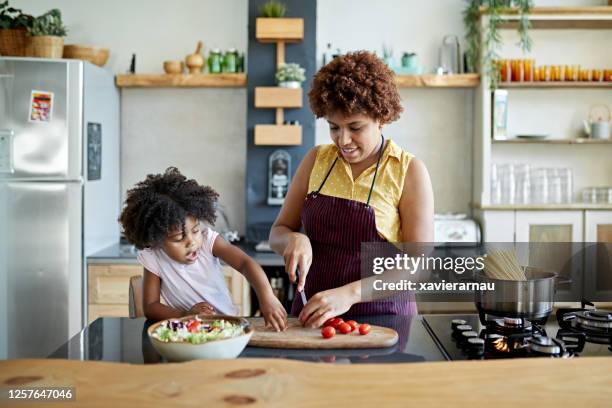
{"x":298,"y":337}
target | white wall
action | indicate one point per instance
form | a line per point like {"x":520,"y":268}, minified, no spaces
{"x":200,"y":131}
{"x":437,"y":125}
{"x":188,"y":128}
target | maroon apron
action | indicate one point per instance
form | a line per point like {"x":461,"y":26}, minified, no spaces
{"x":336,"y":228}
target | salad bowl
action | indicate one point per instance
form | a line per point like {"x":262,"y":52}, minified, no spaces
{"x":200,"y":337}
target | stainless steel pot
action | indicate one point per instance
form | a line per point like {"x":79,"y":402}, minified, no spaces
{"x":531,"y":299}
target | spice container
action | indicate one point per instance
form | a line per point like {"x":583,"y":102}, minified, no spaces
{"x":214,"y":61}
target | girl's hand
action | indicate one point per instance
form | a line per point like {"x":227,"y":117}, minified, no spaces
{"x":204,"y":308}
{"x":327,"y":304}
{"x":273,"y":312}
{"x":298,"y":254}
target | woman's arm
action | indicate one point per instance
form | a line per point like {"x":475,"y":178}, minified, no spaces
{"x":272,"y":310}
{"x":153,"y":308}
{"x":284,"y":237}
{"x":416,"y":205}
{"x":416,"y":209}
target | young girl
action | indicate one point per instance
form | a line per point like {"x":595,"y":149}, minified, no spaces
{"x":181,"y":257}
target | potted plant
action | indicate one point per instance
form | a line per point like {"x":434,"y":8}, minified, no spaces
{"x":491,"y":38}
{"x":47,"y":34}
{"x":290,"y":75}
{"x":13,"y":28}
{"x":273,"y":9}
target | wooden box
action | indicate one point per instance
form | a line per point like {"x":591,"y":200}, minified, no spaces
{"x":276,"y":97}
{"x":279,"y":29}
{"x":278,"y":135}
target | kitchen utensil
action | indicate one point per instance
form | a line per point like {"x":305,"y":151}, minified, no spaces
{"x":95,"y":55}
{"x":195,"y":61}
{"x":217,"y":349}
{"x":598,"y":126}
{"x":531,"y":299}
{"x":450,"y":55}
{"x":302,"y":294}
{"x":174,"y":67}
{"x":298,"y":337}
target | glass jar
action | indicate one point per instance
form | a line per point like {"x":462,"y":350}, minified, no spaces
{"x":214,"y":61}
{"x":230,"y":60}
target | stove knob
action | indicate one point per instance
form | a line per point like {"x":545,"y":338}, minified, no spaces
{"x":457,"y":322}
{"x":466,"y":336}
{"x":475,"y":346}
{"x":460,"y":329}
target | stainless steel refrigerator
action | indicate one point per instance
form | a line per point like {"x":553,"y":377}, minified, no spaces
{"x":59,"y":196}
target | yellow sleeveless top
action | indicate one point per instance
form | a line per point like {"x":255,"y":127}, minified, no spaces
{"x":387,"y":188}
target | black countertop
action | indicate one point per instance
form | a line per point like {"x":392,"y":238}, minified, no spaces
{"x":126,"y":254}
{"x":121,"y":339}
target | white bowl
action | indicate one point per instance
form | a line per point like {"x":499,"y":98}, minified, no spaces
{"x":217,"y":349}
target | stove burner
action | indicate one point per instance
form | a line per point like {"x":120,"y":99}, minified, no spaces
{"x":546,"y":345}
{"x":596,"y":319}
{"x":595,"y":325}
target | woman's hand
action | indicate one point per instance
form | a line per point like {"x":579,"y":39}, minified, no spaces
{"x":298,"y":255}
{"x":273,"y":312}
{"x":327,"y":304}
{"x":204,"y":308}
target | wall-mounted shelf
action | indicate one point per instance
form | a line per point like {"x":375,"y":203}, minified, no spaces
{"x":556,"y":85}
{"x":559,"y":18}
{"x":554,"y":141}
{"x":181,"y":80}
{"x":278,"y":135}
{"x":543,"y":207}
{"x":277,"y":97}
{"x":269,"y":30}
{"x":438,"y":81}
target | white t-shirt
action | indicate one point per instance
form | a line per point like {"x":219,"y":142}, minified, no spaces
{"x":182,"y":285}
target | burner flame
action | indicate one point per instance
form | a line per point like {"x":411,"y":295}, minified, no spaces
{"x":501,"y":345}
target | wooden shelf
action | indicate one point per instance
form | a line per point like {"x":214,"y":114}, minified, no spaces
{"x":543,"y":207}
{"x":277,"y":97}
{"x":268,"y":30}
{"x":556,"y":85}
{"x":278,"y":135}
{"x":559,"y":17}
{"x":438,"y":81}
{"x":181,"y":80}
{"x":554,"y":141}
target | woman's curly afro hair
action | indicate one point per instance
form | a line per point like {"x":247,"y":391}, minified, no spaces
{"x":160,"y":204}
{"x":358,"y":82}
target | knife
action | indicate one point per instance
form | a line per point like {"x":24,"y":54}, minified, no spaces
{"x":302,"y":293}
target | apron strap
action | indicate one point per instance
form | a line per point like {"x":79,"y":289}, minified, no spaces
{"x":327,"y":175}
{"x":382,"y":146}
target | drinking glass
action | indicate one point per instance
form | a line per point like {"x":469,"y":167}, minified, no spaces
{"x":584,"y":75}
{"x":528,"y":69}
{"x":596,"y":75}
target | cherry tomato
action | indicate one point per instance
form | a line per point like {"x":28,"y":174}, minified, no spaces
{"x":330,"y":322}
{"x":353,"y":324}
{"x":193,"y":326}
{"x":364,"y":329}
{"x":345,"y":328}
{"x":337,"y":323}
{"x":328,"y":332}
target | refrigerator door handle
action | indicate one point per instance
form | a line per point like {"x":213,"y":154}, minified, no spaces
{"x":6,"y":151}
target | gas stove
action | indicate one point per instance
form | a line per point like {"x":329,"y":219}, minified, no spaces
{"x":578,"y":332}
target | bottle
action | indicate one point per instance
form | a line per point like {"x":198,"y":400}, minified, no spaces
{"x":328,"y":54}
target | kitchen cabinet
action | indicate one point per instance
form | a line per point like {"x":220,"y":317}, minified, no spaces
{"x":598,"y":262}
{"x":548,"y":226}
{"x":108,"y":289}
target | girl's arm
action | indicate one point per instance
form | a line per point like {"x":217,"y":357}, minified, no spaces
{"x":273,"y":311}
{"x":153,"y":308}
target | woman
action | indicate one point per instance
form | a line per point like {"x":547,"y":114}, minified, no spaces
{"x":361,"y":188}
